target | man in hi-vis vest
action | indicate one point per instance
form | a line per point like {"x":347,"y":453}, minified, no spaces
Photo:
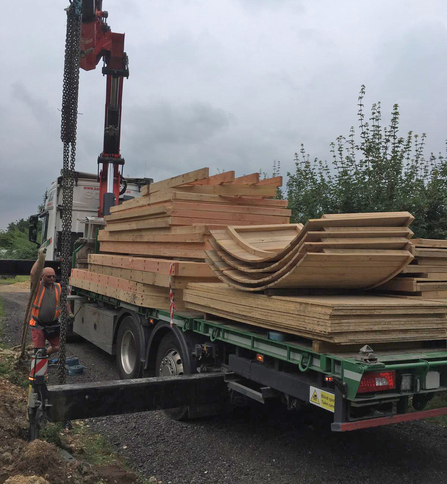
{"x":46,"y":310}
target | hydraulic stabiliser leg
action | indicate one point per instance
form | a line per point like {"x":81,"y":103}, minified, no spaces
{"x":37,"y":400}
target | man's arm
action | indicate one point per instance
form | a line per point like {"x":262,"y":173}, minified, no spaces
{"x":36,"y":264}
{"x":34,"y":269}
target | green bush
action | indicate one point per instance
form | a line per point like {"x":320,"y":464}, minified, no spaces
{"x":378,"y":171}
{"x":14,"y":243}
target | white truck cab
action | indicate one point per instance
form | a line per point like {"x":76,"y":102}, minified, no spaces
{"x":85,"y":204}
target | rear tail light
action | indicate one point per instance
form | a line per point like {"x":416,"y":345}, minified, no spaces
{"x":377,"y":381}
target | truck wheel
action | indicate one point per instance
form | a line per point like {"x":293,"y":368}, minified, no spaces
{"x":128,"y":357}
{"x":169,"y":362}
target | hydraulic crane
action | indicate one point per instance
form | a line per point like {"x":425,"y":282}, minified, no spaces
{"x":99,"y":42}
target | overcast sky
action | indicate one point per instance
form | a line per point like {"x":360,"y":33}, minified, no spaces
{"x":229,"y":84}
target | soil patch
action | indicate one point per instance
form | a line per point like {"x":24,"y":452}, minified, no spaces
{"x":16,"y":287}
{"x":40,"y":462}
{"x":26,"y":480}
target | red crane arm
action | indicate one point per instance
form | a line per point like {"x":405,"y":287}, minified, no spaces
{"x":99,"y":42}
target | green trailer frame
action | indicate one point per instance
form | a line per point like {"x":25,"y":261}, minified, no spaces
{"x":336,"y":376}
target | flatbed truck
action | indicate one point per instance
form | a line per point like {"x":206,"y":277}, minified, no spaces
{"x":194,"y":365}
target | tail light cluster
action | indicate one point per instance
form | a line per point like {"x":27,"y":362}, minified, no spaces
{"x":377,"y":381}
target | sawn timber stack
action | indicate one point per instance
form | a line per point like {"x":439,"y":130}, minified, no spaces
{"x":341,"y":319}
{"x":141,"y":281}
{"x":171,"y":218}
{"x":426,"y":276}
{"x":170,"y":222}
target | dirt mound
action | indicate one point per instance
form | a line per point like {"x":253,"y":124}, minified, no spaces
{"x":13,"y":426}
{"x":40,"y":462}
{"x":26,"y":480}
{"x":42,"y":459}
{"x":16,"y":287}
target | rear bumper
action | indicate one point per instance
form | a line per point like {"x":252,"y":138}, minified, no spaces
{"x":377,"y":422}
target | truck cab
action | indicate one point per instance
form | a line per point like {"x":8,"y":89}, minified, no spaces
{"x":85,"y":204}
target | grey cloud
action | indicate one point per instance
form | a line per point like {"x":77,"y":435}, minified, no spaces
{"x":413,"y":61}
{"x":33,"y":101}
{"x":168,"y":123}
{"x":233,"y":84}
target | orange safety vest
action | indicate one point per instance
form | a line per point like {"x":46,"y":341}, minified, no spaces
{"x":37,"y":303}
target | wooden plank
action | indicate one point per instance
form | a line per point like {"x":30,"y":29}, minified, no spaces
{"x":146,"y":236}
{"x":229,"y":218}
{"x":363,"y":217}
{"x":175,"y":181}
{"x":145,"y":277}
{"x":428,"y":285}
{"x":142,"y":212}
{"x":430,"y":243}
{"x":431,"y":253}
{"x":231,"y":208}
{"x":360,"y":232}
{"x":421,"y":268}
{"x":161,"y":266}
{"x":358,"y":243}
{"x":188,"y":251}
{"x":228,"y":199}
{"x":251,"y":179}
{"x":231,"y":190}
{"x":215,"y":220}
{"x":141,"y":224}
{"x":275,"y":181}
{"x":431,"y":261}
{"x":399,"y":284}
{"x":148,"y":200}
{"x":226,"y":176}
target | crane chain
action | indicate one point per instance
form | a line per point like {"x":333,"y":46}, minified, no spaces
{"x":68,"y":137}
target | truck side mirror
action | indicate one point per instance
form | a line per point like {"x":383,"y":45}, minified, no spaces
{"x":32,"y":231}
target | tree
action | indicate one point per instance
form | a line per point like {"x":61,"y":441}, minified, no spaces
{"x":14,"y":243}
{"x":380,"y":171}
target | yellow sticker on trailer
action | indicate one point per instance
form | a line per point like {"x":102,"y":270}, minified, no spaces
{"x":322,"y":399}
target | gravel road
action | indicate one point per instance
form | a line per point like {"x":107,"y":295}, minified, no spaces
{"x":255,"y":446}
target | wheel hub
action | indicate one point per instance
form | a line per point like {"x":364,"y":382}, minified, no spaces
{"x":128,"y":352}
{"x":171,"y":364}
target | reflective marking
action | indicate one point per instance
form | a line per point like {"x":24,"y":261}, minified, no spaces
{"x":352,"y":375}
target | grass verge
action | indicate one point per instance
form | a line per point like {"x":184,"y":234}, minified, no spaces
{"x":14,"y":280}
{"x":9,"y":367}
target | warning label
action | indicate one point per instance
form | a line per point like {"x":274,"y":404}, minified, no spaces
{"x":322,"y":399}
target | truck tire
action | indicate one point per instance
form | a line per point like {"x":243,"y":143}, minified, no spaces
{"x":128,"y":353}
{"x":169,"y":362}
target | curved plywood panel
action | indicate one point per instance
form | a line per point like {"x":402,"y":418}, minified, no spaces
{"x":352,"y":251}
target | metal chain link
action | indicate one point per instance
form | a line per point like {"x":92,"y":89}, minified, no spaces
{"x":68,"y":137}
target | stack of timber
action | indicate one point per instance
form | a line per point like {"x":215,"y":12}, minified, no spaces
{"x":140,"y":281}
{"x":340,"y":319}
{"x":167,"y":230}
{"x":343,"y":251}
{"x":170,"y":219}
{"x":426,"y":276}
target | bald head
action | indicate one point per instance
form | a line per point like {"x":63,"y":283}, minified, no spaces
{"x":48,"y":276}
